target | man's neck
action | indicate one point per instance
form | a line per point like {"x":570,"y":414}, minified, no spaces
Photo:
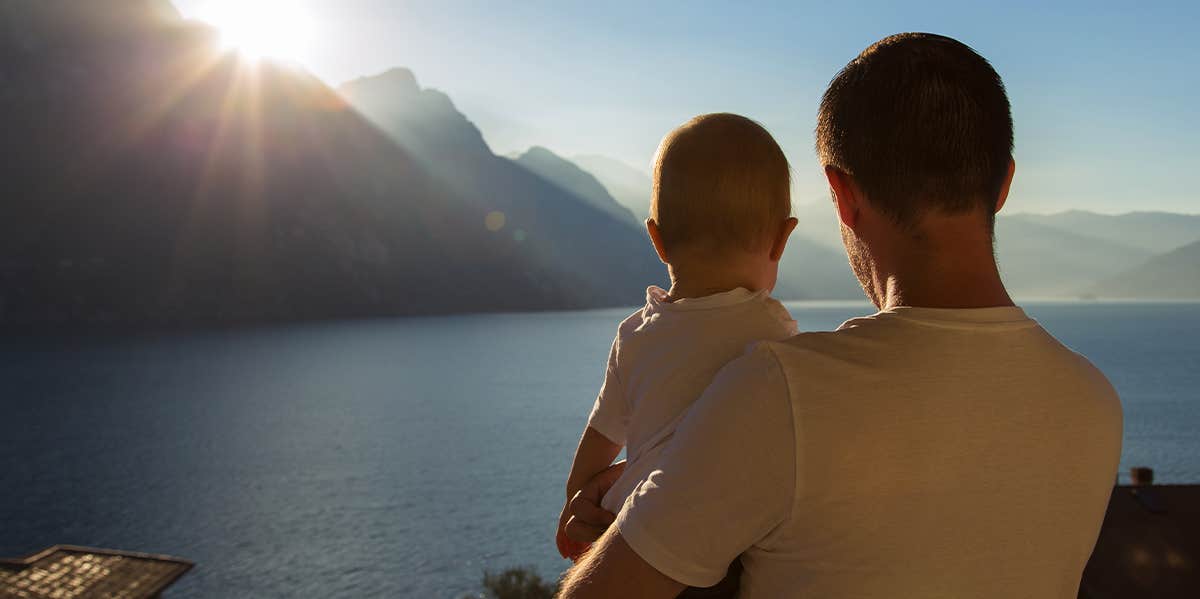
{"x":956,"y":268}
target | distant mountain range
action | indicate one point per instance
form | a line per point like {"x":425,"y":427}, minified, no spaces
{"x":564,"y":215}
{"x":1042,"y":261}
{"x":1174,"y":275}
{"x":574,"y":180}
{"x":1154,"y":232}
{"x":150,"y":180}
{"x":1064,"y":255}
{"x":628,"y":185}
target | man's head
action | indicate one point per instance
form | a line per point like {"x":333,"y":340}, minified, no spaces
{"x":915,"y":135}
{"x":922,"y":123}
{"x":721,"y":186}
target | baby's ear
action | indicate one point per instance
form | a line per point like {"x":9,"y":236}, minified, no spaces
{"x":656,"y":239}
{"x":781,"y":238}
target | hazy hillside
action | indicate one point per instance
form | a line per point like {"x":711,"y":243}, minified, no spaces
{"x":1041,"y":261}
{"x":149,"y":180}
{"x":818,"y":222}
{"x":608,"y":253}
{"x":1173,"y":275}
{"x":810,"y":270}
{"x":1155,"y":232}
{"x":1036,"y":260}
{"x":575,"y":180}
{"x":628,"y":185}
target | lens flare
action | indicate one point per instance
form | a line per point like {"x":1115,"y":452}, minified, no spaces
{"x":261,"y":28}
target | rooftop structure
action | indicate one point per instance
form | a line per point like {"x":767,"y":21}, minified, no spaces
{"x":1149,"y":545}
{"x":68,"y":572}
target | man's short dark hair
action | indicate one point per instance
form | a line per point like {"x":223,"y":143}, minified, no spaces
{"x":923,"y":124}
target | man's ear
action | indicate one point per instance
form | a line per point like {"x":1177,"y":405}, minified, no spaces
{"x":846,"y":195}
{"x":780,"y":242}
{"x":1012,"y":170}
{"x":656,"y":239}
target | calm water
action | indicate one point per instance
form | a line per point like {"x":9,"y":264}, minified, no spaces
{"x":401,"y":457}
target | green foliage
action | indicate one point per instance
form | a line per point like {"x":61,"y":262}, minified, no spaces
{"x":516,"y":583}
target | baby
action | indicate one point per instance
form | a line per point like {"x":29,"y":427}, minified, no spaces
{"x":720,"y":216}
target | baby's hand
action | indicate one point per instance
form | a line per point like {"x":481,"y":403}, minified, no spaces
{"x":567,"y":547}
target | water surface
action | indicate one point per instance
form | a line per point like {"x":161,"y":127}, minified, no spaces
{"x":398,"y":457}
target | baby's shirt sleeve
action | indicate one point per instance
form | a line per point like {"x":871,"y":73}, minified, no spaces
{"x":610,"y":413}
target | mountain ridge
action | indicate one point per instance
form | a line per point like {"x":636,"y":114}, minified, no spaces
{"x":1174,"y":275}
{"x":628,"y":185}
{"x":1152,"y":231}
{"x":148,"y":187}
{"x":573,"y":179}
{"x":606,"y":252}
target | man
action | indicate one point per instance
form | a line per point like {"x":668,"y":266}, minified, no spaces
{"x":947,"y":446}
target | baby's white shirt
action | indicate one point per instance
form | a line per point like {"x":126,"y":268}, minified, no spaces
{"x":664,"y":356}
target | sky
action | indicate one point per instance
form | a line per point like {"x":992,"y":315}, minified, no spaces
{"x":1104,"y":95}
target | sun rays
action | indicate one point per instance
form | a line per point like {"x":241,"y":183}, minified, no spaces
{"x":261,"y":28}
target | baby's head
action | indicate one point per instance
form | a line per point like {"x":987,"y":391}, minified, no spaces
{"x":721,"y":206}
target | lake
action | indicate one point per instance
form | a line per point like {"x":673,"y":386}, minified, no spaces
{"x":399,"y":457}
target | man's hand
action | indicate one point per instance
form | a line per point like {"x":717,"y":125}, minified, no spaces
{"x":588,"y":521}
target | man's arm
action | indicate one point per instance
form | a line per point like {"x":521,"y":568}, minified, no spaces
{"x":613,"y":569}
{"x":723,"y":483}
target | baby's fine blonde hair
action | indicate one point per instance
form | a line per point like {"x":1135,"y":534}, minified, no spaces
{"x":720,"y":183}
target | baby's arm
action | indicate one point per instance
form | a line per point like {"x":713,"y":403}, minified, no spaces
{"x":595,"y":453}
{"x":596,"y":450}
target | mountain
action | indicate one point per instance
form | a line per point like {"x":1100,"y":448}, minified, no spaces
{"x":812,"y":271}
{"x":608,"y":255}
{"x":628,"y":185}
{"x":814,"y":265}
{"x":1155,"y":232}
{"x":818,"y":222}
{"x":574,"y":180}
{"x":1173,"y":275}
{"x":150,"y":180}
{"x":1041,"y":261}
{"x":1036,"y":259}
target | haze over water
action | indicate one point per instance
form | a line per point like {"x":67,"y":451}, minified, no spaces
{"x":399,"y":457}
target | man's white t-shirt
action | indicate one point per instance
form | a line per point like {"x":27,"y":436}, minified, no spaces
{"x":914,"y":453}
{"x":662,"y":359}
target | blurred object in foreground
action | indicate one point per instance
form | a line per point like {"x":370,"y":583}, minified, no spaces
{"x":516,"y":583}
{"x":69,"y":572}
{"x":1150,"y":542}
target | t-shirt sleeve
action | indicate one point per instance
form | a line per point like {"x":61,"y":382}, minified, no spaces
{"x":725,"y":480}
{"x":610,"y":413}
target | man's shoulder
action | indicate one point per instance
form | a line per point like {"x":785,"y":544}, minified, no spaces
{"x":1082,"y":380}
{"x":849,"y":337}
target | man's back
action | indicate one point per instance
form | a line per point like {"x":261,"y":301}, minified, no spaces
{"x":941,"y":453}
{"x":914,"y":453}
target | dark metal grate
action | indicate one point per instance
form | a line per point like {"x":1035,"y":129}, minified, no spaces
{"x":63,"y":572}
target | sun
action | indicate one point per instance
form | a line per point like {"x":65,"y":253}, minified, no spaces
{"x":261,"y":28}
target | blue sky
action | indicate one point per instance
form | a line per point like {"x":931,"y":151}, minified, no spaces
{"x":1104,"y":96}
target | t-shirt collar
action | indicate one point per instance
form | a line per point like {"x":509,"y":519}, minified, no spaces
{"x":657,"y":298}
{"x":999,"y":316}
